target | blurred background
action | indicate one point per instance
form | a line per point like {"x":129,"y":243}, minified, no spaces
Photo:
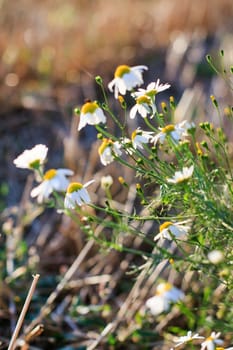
{"x":49,"y":48}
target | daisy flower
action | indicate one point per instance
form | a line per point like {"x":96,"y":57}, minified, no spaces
{"x":181,"y":176}
{"x":152,"y":89}
{"x":165,"y":294}
{"x":176,"y":132}
{"x":211,"y":342}
{"x":77,"y":194}
{"x":168,"y":230}
{"x":32,"y":158}
{"x":143,"y":107}
{"x":186,"y":126}
{"x":187,"y":338}
{"x":216,"y":256}
{"x":108,"y":150}
{"x":106,"y":182}
{"x":53,"y":180}
{"x":139,"y":137}
{"x":126,"y":78}
{"x":91,"y":114}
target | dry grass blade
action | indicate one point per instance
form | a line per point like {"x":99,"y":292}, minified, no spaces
{"x":48,"y":305}
{"x":23,"y":312}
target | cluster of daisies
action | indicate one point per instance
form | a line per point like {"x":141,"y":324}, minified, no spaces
{"x":167,"y":294}
{"x":212,"y":342}
{"x":126,"y":79}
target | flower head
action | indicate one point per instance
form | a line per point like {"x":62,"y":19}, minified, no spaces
{"x":106,"y":182}
{"x":32,"y":158}
{"x":126,"y":78}
{"x":77,"y":194}
{"x":143,"y":107}
{"x":165,"y":294}
{"x":152,"y":89}
{"x":216,"y":256}
{"x":53,"y":180}
{"x":211,"y":341}
{"x":91,"y":114}
{"x":175,"y":132}
{"x":182,"y":176}
{"x":140,"y":137}
{"x":188,"y":338}
{"x":108,"y":150}
{"x":168,"y":230}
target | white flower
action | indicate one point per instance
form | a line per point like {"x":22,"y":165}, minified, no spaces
{"x":143,"y":106}
{"x":168,"y":230}
{"x":91,"y":114}
{"x":126,"y":78}
{"x":181,"y":176}
{"x":166,"y":294}
{"x":185,"y":125}
{"x":139,"y":137}
{"x":152,"y":89}
{"x":108,"y":150}
{"x":176,"y":132}
{"x":77,"y":194}
{"x":53,"y":180}
{"x":32,"y":158}
{"x":216,"y":256}
{"x":211,"y":342}
{"x":187,"y":338}
{"x":106,"y":182}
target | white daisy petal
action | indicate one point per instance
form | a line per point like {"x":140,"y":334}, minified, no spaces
{"x":126,"y":78}
{"x":166,"y":294}
{"x":181,"y":176}
{"x":54,"y":180}
{"x":77,"y":195}
{"x":32,"y":158}
{"x":91,"y":114}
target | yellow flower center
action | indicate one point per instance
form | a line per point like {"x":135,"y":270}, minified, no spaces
{"x":219,"y":348}
{"x":143,"y":99}
{"x":169,"y":128}
{"x":165,"y":287}
{"x":89,"y":107}
{"x":35,"y":164}
{"x":165,"y":225}
{"x":104,"y":145}
{"x":50,"y":174}
{"x":74,"y":186}
{"x":134,"y":134}
{"x":121,"y":70}
{"x":209,"y":338}
{"x":180,"y":179}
